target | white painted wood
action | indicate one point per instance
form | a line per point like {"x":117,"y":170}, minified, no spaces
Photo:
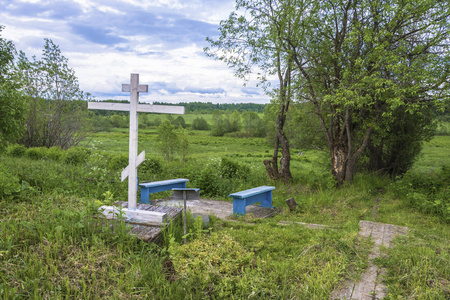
{"x":139,"y":160}
{"x":133,"y":144}
{"x":140,"y":88}
{"x":141,"y":215}
{"x":149,"y":108}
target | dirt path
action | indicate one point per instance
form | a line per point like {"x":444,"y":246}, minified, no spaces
{"x":370,"y":285}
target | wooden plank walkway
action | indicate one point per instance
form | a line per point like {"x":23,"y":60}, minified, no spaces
{"x":370,"y":286}
{"x":146,"y":231}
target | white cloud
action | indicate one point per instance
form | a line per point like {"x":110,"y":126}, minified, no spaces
{"x":107,"y":40}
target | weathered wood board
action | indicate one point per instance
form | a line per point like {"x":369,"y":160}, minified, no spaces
{"x":147,"y":231}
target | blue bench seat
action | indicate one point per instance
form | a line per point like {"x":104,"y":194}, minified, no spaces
{"x":261,"y":194}
{"x":148,"y":188}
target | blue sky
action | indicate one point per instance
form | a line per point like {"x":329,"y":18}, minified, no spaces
{"x":106,"y":40}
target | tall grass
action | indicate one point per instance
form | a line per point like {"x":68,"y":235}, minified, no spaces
{"x":52,"y":246}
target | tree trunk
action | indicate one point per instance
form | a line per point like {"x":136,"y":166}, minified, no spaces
{"x":284,"y":172}
{"x":338,"y":162}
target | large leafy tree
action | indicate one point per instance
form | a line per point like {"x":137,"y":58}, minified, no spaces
{"x":357,"y":61}
{"x":255,"y":43}
{"x":12,"y":103}
{"x":58,"y":115}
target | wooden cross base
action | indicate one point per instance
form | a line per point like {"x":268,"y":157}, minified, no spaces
{"x":135,"y":214}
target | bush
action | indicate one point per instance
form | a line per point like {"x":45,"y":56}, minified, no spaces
{"x":427,"y":192}
{"x":16,"y":150}
{"x":76,"y":155}
{"x":221,"y":176}
{"x":36,"y":153}
{"x":118,"y":162}
{"x":231,"y":169}
{"x":200,"y":124}
{"x":151,"y":166}
{"x":55,"y":153}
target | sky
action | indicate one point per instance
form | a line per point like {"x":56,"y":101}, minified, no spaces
{"x":107,"y":40}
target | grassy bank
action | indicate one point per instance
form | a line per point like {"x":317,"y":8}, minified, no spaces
{"x":51,"y":246}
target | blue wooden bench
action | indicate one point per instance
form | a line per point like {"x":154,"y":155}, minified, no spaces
{"x":261,"y":194}
{"x":148,"y":188}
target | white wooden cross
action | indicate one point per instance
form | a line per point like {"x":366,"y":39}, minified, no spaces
{"x":134,"y":160}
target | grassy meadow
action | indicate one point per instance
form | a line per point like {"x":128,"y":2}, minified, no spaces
{"x":53,"y":247}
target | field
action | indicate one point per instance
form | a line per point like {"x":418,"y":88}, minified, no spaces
{"x":51,"y":246}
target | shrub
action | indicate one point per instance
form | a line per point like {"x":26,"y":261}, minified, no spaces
{"x":36,"y":152}
{"x":427,"y":192}
{"x":76,"y":155}
{"x":151,"y":165}
{"x":118,"y":162}
{"x":16,"y":150}
{"x":55,"y":153}
{"x":200,"y":124}
{"x":231,"y":169}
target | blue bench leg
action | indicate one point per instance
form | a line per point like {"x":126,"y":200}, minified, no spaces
{"x":145,"y":195}
{"x":267,"y":200}
{"x":239,"y":206}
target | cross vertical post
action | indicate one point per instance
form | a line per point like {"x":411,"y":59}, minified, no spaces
{"x":134,"y":88}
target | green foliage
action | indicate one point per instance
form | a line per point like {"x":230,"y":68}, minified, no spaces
{"x":55,"y":153}
{"x":200,"y":124}
{"x":395,"y":57}
{"x":221,"y":176}
{"x":119,"y":121}
{"x":253,"y":125}
{"x":151,"y":165}
{"x":397,"y":142}
{"x":58,"y":114}
{"x":172,"y":141}
{"x":167,"y":140}
{"x":231,"y":169}
{"x":12,"y":102}
{"x":225,"y":123}
{"x":118,"y":162}
{"x":9,"y":183}
{"x":209,"y":107}
{"x":36,"y":153}
{"x":16,"y":150}
{"x":214,"y":263}
{"x":76,"y":155}
{"x":418,"y":266}
{"x":429,"y":193}
{"x":179,"y":122}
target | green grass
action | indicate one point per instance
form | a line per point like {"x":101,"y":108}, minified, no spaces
{"x":435,"y":154}
{"x":52,"y":247}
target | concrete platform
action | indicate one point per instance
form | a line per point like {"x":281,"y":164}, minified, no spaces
{"x":220,"y":209}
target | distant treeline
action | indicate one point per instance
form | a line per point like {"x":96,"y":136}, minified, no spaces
{"x":208,"y":107}
{"x":205,"y":107}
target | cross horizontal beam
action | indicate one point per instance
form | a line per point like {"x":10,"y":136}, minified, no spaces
{"x":162,"y":109}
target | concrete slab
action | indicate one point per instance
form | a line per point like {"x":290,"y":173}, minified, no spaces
{"x":370,"y":286}
{"x":220,"y":209}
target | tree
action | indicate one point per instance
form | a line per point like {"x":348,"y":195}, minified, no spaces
{"x":167,"y":140}
{"x":357,"y":61}
{"x":183,"y":143}
{"x":12,"y":102}
{"x":253,"y":125}
{"x":257,"y":42}
{"x":200,"y":123}
{"x":58,"y":114}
